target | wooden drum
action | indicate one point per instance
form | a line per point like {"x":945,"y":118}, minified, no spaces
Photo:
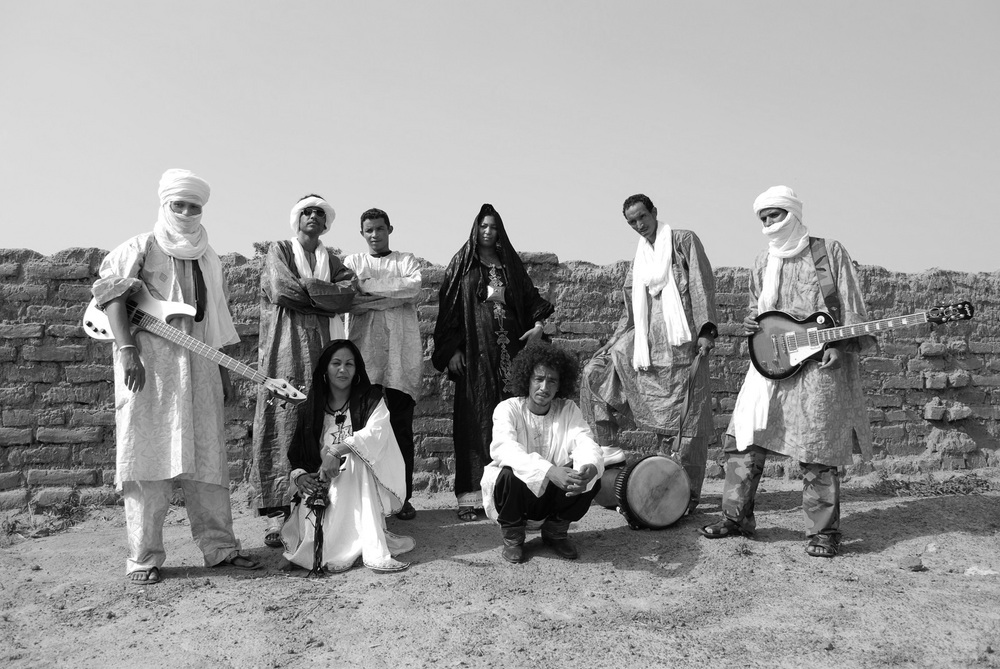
{"x":651,"y":493}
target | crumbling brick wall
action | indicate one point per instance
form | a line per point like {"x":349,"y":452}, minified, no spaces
{"x":933,"y":392}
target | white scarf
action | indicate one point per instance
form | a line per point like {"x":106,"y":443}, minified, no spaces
{"x":786,"y":239}
{"x":322,"y":273}
{"x":653,"y":270}
{"x":185,"y":238}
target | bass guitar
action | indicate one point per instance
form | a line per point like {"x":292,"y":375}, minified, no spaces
{"x":150,"y":314}
{"x":784,"y":343}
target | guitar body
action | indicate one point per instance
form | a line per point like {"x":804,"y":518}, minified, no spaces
{"x":145,"y":312}
{"x":96,"y":324}
{"x":774,"y":354}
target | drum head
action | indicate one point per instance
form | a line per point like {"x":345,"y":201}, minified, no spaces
{"x":656,"y":492}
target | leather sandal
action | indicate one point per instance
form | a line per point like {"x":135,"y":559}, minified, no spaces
{"x":467,"y":514}
{"x":824,"y":546}
{"x":722,"y":529}
{"x":272,"y":533}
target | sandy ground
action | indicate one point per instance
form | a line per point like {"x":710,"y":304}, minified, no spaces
{"x":635,"y":598}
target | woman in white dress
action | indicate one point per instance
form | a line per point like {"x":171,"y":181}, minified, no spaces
{"x":347,"y":472}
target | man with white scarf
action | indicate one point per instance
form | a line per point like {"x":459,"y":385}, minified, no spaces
{"x":305,"y":290}
{"x":643,"y":374}
{"x":169,"y":401}
{"x":817,"y":416}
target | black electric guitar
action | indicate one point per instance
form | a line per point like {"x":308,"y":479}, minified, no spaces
{"x":784,"y":343}
{"x":150,"y":314}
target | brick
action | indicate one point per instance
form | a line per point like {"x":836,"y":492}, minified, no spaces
{"x":589,"y":327}
{"x":9,"y":269}
{"x":932,"y":349}
{"x":885,"y":401}
{"x":897,"y":416}
{"x":21,"y":330}
{"x":437,"y":445}
{"x":935,"y":380}
{"x":902,"y":383}
{"x":89,"y":373}
{"x":51,"y":270}
{"x":98,"y":496}
{"x":427,"y":313}
{"x":61,"y":477}
{"x":958,"y":347}
{"x":68,"y":353}
{"x":76,"y":435}
{"x":10,"y":480}
{"x":17,"y":397}
{"x":539,"y":258}
{"x":8,"y":354}
{"x":432,"y":426}
{"x":24,"y":374}
{"x":925,"y":365}
{"x":52,"y":496}
{"x":10,"y":436}
{"x":14,"y":500}
{"x":108,"y":477}
{"x":51,"y":417}
{"x":585,"y":345}
{"x":79,"y":418}
{"x":934,"y":412}
{"x":75,"y":293}
{"x":984,"y":348}
{"x":96,"y":456}
{"x":986,"y":381}
{"x":47,"y":314}
{"x":236,"y":432}
{"x":38,"y":455}
{"x":65,"y":330}
{"x":24,"y":293}
{"x":889,"y":433}
{"x":18,"y":418}
{"x":881,"y":366}
{"x":75,"y":395}
{"x":426,"y":464}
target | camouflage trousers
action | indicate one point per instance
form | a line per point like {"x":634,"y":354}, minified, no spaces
{"x":820,"y":491}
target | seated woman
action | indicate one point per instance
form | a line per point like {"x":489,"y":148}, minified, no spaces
{"x":347,"y":472}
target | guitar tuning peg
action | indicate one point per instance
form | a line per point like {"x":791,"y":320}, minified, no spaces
{"x":270,"y":401}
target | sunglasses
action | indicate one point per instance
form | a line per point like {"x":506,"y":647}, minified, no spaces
{"x":308,"y":211}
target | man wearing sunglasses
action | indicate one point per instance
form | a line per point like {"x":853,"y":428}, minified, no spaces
{"x":304,"y":292}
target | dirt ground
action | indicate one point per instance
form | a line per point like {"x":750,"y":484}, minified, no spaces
{"x":635,"y":598}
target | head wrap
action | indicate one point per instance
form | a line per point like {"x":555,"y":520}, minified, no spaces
{"x":311,"y":202}
{"x":778,"y":197}
{"x":185,"y":238}
{"x":653,"y":271}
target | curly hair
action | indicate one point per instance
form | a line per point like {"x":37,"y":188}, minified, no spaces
{"x":638,"y":198}
{"x":544,"y":353}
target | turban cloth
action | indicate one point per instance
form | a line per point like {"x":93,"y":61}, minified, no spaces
{"x":311,"y":202}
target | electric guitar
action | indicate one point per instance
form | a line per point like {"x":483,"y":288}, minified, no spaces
{"x":784,"y":343}
{"x":150,"y":314}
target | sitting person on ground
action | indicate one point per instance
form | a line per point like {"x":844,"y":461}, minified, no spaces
{"x":347,"y":472}
{"x":546,"y":465}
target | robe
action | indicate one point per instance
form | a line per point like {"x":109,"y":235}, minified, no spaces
{"x":173,"y":427}
{"x":817,"y":416}
{"x":389,"y":338}
{"x":295,"y":316}
{"x":518,"y":443}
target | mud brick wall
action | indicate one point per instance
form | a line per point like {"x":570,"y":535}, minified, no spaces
{"x":933,"y":392}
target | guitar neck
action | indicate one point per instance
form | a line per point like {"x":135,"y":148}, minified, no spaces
{"x":159,"y":328}
{"x":871,"y":327}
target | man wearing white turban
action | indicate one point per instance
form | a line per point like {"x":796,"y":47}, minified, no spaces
{"x":647,"y":369}
{"x":817,"y":416}
{"x":304,"y":292}
{"x":169,"y":401}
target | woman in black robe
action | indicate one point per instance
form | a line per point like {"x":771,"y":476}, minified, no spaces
{"x":489,"y":309}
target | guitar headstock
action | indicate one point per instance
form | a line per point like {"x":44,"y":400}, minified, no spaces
{"x":284,"y":390}
{"x":960,"y":311}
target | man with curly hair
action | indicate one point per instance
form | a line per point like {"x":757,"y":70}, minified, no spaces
{"x":546,"y":465}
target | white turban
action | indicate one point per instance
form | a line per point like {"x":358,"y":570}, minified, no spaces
{"x":183,"y":185}
{"x":311,"y":202}
{"x":778,"y":197}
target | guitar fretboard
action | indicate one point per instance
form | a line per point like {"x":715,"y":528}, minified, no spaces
{"x":158,"y":327}
{"x":817,"y":338}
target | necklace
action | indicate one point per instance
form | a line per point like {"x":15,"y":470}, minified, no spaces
{"x":541,"y":429}
{"x":339,"y":415}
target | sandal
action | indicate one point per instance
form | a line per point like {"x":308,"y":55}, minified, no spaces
{"x":240,"y":562}
{"x":407,"y":512}
{"x":149,"y":576}
{"x":388,"y":566}
{"x":824,"y":546}
{"x":467,"y":514}
{"x":272,"y":533}
{"x":722,"y":529}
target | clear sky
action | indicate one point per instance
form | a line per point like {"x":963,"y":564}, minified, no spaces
{"x":883,"y":116}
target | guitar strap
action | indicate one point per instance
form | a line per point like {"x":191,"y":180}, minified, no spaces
{"x":825,"y":276}
{"x":200,"y":293}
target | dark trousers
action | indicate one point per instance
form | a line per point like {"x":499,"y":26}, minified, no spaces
{"x":515,"y":503}
{"x":820,"y":491}
{"x":401,"y":418}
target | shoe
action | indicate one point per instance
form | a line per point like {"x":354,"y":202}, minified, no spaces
{"x":149,"y":576}
{"x":513,"y":544}
{"x":407,"y":512}
{"x":272,"y":533}
{"x":722,"y":529}
{"x":555,"y":535}
{"x":564,"y":548}
{"x":824,"y":546}
{"x":240,"y":562}
{"x":388,"y":566}
{"x":467,"y":514}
